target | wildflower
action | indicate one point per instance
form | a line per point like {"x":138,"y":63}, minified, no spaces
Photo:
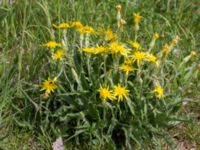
{"x":120,"y":92}
{"x":86,"y":30}
{"x":135,"y":45}
{"x":153,"y":41}
{"x":89,"y":50}
{"x":100,"y":49}
{"x":136,"y":17}
{"x":61,"y":26}
{"x":193,"y":54}
{"x":155,"y":36}
{"x":122,"y":22}
{"x":49,"y":85}
{"x":52,"y":44}
{"x":105,"y":93}
{"x":165,"y":50}
{"x":115,"y":48}
{"x":138,"y":56}
{"x":109,"y":35}
{"x":158,"y":90}
{"x":151,"y":58}
{"x":45,"y":96}
{"x":118,"y":7}
{"x":175,"y":40}
{"x":58,"y":54}
{"x":126,"y":68}
{"x":76,"y":24}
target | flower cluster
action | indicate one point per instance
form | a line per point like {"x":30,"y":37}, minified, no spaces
{"x":119,"y":93}
{"x":128,"y":58}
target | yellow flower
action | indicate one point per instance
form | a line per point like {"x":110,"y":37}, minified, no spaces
{"x":151,"y":58}
{"x":86,"y":30}
{"x":193,"y":54}
{"x":49,"y":85}
{"x":138,"y":56}
{"x":52,"y":44}
{"x":115,"y":48}
{"x":58,"y":54}
{"x":135,"y":45}
{"x":101,"y":49}
{"x":165,"y":50}
{"x":155,"y":36}
{"x":61,"y":26}
{"x":76,"y":24}
{"x":136,"y":17}
{"x":120,"y":92}
{"x":158,"y":90}
{"x":89,"y":50}
{"x":109,"y":35}
{"x":105,"y":93}
{"x":126,"y":68}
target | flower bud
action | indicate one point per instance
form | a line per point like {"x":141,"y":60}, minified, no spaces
{"x":45,"y":96}
{"x":118,"y":7}
{"x":175,"y":40}
{"x":193,"y":54}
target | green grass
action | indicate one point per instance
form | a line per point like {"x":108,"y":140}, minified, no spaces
{"x":25,"y":117}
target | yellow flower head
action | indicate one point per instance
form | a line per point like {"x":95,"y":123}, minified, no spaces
{"x":76,"y":24}
{"x":137,"y":17}
{"x":151,"y":58}
{"x":86,"y":30}
{"x":135,"y":45}
{"x":165,"y":50}
{"x":52,"y":44}
{"x":120,"y":92}
{"x":126,"y":68}
{"x":58,"y":54}
{"x":61,"y":26}
{"x":158,"y":90}
{"x":101,"y":49}
{"x":138,"y":56}
{"x":105,"y":93}
{"x":49,"y":85}
{"x":155,"y":36}
{"x":89,"y":50}
{"x":193,"y":53}
{"x":109,"y":35}
{"x":115,"y":48}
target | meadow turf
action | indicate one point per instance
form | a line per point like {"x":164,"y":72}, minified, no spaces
{"x":27,"y":121}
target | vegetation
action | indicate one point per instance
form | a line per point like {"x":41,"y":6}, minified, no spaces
{"x":100,"y":74}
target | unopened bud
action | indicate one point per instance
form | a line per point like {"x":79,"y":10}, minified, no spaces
{"x":175,"y":40}
{"x":122,"y":22}
{"x":193,"y":53}
{"x":165,"y":50}
{"x":118,"y":7}
{"x":45,"y":96}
